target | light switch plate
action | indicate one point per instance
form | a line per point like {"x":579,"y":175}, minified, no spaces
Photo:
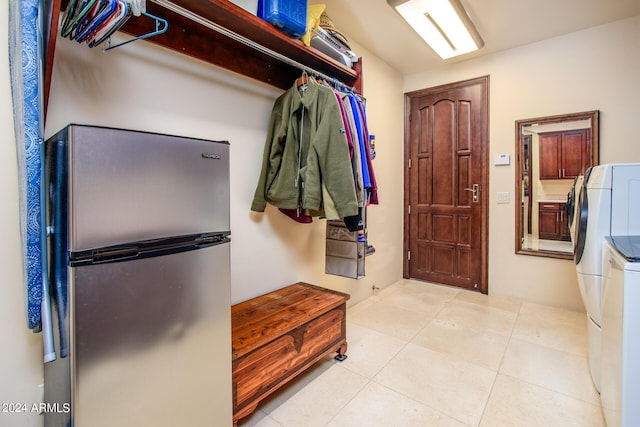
{"x":503,"y":197}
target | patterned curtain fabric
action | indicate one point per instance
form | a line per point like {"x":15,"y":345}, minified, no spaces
{"x":26,"y":63}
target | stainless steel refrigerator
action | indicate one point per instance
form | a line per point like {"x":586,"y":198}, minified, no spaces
{"x":139,"y":269}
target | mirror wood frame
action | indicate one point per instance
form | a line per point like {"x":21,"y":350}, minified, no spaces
{"x":595,"y":149}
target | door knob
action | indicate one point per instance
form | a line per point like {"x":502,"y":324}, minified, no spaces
{"x":475,"y":188}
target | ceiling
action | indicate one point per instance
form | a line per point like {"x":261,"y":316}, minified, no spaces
{"x":503,"y":24}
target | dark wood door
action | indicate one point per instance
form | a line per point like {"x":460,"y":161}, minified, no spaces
{"x":552,"y":222}
{"x":550,"y":161}
{"x":575,"y":158}
{"x":564,"y":155}
{"x":549,"y":221}
{"x":447,"y":157}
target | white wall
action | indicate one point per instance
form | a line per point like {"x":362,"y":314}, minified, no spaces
{"x":594,"y":69}
{"x":144,"y":87}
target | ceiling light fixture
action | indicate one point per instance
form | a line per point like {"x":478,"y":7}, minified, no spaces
{"x":443,"y":24}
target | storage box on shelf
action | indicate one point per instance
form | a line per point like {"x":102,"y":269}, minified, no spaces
{"x":289,"y":16}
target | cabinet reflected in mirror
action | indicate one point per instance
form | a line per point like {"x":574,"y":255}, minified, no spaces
{"x":551,"y":152}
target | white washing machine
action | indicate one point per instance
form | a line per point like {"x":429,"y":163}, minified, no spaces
{"x":620,"y":364}
{"x":609,"y":204}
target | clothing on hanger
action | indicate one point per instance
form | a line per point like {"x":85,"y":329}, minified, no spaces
{"x":367,"y":141}
{"x":306,"y":148}
{"x":357,"y":119}
{"x":362,"y":131}
{"x":297,"y":215}
{"x":356,"y":161}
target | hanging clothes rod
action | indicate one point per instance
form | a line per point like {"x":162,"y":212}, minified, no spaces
{"x":247,"y":42}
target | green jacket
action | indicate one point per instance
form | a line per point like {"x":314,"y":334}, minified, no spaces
{"x":294,"y":168}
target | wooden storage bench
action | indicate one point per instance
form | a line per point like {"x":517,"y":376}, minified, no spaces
{"x":278,"y":335}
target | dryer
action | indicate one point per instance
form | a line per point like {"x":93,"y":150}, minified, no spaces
{"x":609,"y":203}
{"x":572,"y":208}
{"x":620,"y":364}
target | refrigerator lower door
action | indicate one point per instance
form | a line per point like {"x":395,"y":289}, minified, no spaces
{"x":151,"y":341}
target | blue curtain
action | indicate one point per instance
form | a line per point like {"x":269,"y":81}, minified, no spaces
{"x":26,"y":68}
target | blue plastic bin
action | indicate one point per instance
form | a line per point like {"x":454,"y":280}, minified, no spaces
{"x":289,"y":16}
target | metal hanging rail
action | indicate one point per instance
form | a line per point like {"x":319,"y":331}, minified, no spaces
{"x":247,"y":42}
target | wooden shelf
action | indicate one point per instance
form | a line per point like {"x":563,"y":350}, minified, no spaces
{"x":52,"y":12}
{"x":192,"y":39}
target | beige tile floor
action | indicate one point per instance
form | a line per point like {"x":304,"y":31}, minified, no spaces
{"x":427,"y":355}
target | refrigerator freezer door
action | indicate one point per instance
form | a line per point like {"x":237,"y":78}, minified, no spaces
{"x":128,"y":186}
{"x":152,"y":341}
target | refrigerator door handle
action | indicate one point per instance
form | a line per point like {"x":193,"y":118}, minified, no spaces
{"x":93,"y":256}
{"x":147,"y":248}
{"x":218,"y":239}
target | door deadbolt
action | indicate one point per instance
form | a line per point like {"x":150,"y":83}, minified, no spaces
{"x":475,"y":188}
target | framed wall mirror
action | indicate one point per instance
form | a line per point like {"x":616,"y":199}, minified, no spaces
{"x":551,"y":152}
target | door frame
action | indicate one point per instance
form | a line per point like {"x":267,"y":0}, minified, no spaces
{"x":484,"y":185}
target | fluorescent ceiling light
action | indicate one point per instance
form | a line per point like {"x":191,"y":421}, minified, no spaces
{"x":443,"y":24}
